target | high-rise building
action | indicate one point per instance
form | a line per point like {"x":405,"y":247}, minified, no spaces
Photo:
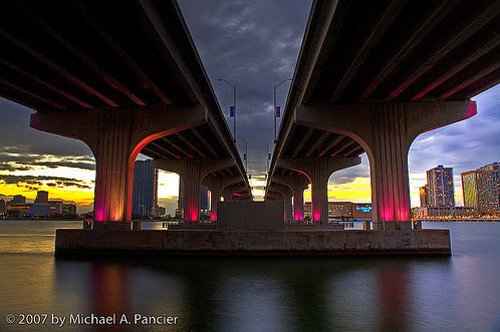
{"x":3,"y":206}
{"x":18,"y":199}
{"x":469,"y":189}
{"x":488,"y":188}
{"x":145,"y":191}
{"x":42,"y":197}
{"x":423,"y":196}
{"x":441,"y":192}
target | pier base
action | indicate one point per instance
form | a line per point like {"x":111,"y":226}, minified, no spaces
{"x":285,"y":243}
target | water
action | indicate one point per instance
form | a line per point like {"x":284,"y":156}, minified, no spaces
{"x":461,"y":293}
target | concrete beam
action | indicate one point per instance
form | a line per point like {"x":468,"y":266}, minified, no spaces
{"x":385,"y":131}
{"x":116,"y":136}
{"x":193,"y":172}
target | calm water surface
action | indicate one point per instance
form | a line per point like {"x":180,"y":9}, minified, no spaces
{"x":461,"y":293}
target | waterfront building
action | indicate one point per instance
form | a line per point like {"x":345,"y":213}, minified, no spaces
{"x":3,"y":207}
{"x":145,"y":190}
{"x":69,"y":209}
{"x":18,"y":199}
{"x":469,"y":188}
{"x":423,"y":196}
{"x":42,"y":197}
{"x":481,"y":188}
{"x":488,"y":188}
{"x":440,"y":189}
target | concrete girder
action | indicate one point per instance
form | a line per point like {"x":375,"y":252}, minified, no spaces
{"x":216,"y":185}
{"x":386,"y":131}
{"x":298,"y":183}
{"x":318,"y":171}
{"x":192,"y":172}
{"x":286,"y":192}
{"x":116,"y":136}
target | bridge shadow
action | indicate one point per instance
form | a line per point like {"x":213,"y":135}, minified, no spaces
{"x":261,"y":294}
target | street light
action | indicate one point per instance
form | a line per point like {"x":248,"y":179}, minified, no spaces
{"x":275,"y":110}
{"x":245,"y":156}
{"x":268,"y":156}
{"x":234,"y":105}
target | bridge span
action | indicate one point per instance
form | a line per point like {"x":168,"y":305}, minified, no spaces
{"x":125,"y":78}
{"x":371,"y":76}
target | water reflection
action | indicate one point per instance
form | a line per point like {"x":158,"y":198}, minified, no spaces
{"x":247,"y":294}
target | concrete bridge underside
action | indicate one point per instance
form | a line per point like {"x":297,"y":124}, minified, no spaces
{"x":372,"y":88}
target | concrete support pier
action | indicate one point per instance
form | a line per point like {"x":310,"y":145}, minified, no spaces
{"x":252,"y":243}
{"x":116,"y":136}
{"x":318,"y":171}
{"x":297,"y":183}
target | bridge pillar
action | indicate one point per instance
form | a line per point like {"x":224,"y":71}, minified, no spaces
{"x":318,"y":171}
{"x":192,"y":173}
{"x":286,"y":192}
{"x":116,"y":136}
{"x":385,"y":131}
{"x":298,"y":183}
{"x":216,"y":185}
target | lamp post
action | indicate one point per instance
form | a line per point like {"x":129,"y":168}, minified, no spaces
{"x":274,"y":95}
{"x":245,"y":156}
{"x":268,"y":157}
{"x":234,"y":105}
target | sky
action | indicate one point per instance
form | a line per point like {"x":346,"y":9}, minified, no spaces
{"x":253,"y":44}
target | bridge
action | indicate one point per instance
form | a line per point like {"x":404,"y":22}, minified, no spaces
{"x":125,"y":79}
{"x":372,"y":76}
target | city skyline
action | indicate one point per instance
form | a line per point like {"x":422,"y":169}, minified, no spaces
{"x":233,"y":40}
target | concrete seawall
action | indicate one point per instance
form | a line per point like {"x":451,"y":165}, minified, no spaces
{"x":290,"y":243}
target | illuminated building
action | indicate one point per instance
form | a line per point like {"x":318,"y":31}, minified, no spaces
{"x":488,"y":188}
{"x":469,"y":189}
{"x":423,"y":196}
{"x":440,"y":190}
{"x":69,"y":209}
{"x":42,"y":197}
{"x":145,"y":190}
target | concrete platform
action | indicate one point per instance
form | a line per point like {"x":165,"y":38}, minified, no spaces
{"x":288,"y":243}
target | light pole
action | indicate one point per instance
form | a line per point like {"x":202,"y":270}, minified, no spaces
{"x":234,"y":105}
{"x":245,"y":156}
{"x":268,"y":157}
{"x":274,"y":95}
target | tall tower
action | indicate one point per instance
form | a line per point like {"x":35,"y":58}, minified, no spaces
{"x":145,"y":191}
{"x":42,"y":197}
{"x":488,"y":188}
{"x":441,"y":192}
{"x":469,"y":189}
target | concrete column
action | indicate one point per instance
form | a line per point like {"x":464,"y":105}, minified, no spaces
{"x":297,"y":183}
{"x":385,"y":131}
{"x":116,"y":136}
{"x":318,"y":171}
{"x":286,"y":192}
{"x":216,"y":185}
{"x":192,"y":173}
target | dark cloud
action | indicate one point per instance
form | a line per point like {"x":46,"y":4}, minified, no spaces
{"x":33,"y":182}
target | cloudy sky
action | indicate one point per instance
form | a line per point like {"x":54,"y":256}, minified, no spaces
{"x":253,"y":44}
